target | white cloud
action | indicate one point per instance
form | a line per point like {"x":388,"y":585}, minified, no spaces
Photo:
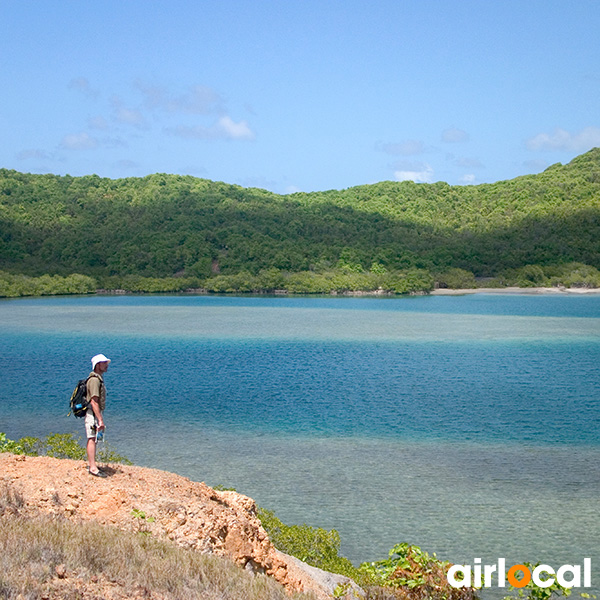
{"x":34,"y":153}
{"x":199,"y":99}
{"x":112,"y":142}
{"x":81,"y":84}
{"x":452,"y":135}
{"x":98,"y":122}
{"x":196,"y":100}
{"x":417,"y":172}
{"x":234,"y":131}
{"x":468,"y":179}
{"x":79,"y":141}
{"x":405,"y":148}
{"x":128,"y":116}
{"x":468,"y":163}
{"x":223,"y":129}
{"x":560,"y":139}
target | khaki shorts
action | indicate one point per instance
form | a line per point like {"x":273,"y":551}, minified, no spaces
{"x":90,"y":424}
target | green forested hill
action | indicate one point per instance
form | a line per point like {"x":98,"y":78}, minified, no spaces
{"x":169,"y":225}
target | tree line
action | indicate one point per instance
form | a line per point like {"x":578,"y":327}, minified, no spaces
{"x":169,"y":232}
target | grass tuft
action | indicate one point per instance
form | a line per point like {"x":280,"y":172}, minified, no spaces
{"x":11,"y":501}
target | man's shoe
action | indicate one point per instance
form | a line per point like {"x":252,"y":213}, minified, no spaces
{"x":98,"y":473}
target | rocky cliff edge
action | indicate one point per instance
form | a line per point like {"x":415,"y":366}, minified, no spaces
{"x":191,"y":514}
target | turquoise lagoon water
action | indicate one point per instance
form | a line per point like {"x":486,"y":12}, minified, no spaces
{"x":467,"y":425}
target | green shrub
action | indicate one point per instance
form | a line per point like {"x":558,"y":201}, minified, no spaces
{"x":533,"y":592}
{"x":531,"y":276}
{"x":239,"y":282}
{"x":408,"y":282}
{"x":378,"y":268}
{"x":63,"y":445}
{"x":59,"y":445}
{"x":457,"y":279}
{"x":407,"y":568}
{"x":270,"y":280}
{"x":577,"y":275}
{"x":150,"y":285}
{"x":307,"y":282}
{"x":313,"y":545}
{"x":30,"y":446}
{"x":13,"y":286}
{"x":11,"y":446}
{"x":410,"y":568}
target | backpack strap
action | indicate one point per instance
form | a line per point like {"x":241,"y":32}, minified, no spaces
{"x":95,"y":375}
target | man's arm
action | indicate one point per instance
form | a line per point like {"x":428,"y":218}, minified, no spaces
{"x":97,"y":412}
{"x":94,"y":386}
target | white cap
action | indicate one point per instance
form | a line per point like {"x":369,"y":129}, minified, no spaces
{"x":99,"y":358}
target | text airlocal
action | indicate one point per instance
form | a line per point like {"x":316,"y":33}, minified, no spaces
{"x":544,"y":576}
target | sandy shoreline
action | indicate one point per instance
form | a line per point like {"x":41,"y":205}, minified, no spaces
{"x":516,"y":290}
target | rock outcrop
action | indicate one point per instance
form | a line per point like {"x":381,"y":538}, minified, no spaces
{"x":189,"y":513}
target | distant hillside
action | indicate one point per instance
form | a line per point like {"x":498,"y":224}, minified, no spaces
{"x":166,"y":225}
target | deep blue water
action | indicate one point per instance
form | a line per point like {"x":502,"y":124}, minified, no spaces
{"x":468,"y":425}
{"x":501,"y":392}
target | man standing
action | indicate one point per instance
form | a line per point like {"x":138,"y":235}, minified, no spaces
{"x":94,"y":422}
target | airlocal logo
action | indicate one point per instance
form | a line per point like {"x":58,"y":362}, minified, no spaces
{"x":543,"y":576}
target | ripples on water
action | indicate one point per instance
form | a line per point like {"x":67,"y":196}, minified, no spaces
{"x":466,"y":425}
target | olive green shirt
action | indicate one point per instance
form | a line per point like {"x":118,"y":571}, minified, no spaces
{"x":95,"y":387}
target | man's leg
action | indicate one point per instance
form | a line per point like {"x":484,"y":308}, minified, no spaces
{"x":91,"y":454}
{"x":90,"y":432}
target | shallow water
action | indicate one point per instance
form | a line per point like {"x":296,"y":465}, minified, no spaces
{"x":466,"y":425}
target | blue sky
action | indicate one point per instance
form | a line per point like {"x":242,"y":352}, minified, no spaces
{"x":300,"y":95}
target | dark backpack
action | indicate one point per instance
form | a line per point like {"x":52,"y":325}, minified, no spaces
{"x":79,"y":402}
